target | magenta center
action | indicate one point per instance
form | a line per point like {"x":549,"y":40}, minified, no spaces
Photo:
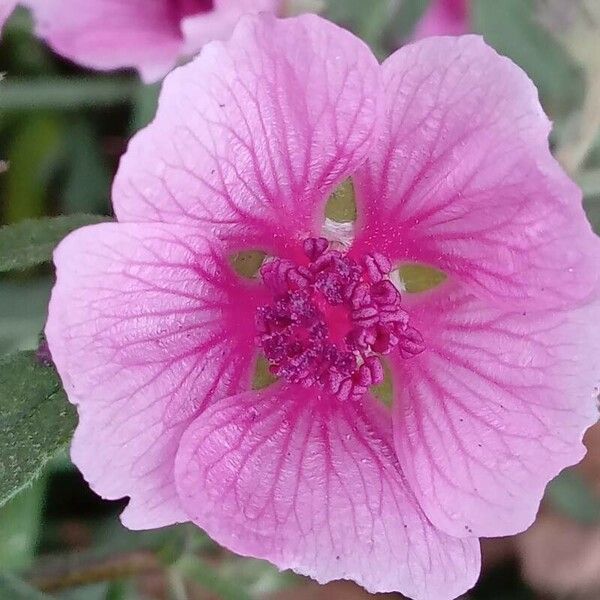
{"x":188,"y":8}
{"x":332,"y":319}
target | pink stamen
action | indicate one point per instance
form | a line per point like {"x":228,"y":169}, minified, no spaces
{"x":333,"y":293}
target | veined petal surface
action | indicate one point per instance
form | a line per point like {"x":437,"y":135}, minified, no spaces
{"x":313,"y":484}
{"x":251,"y":136}
{"x":146,"y":327}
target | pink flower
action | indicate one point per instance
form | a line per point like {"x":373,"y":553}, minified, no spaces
{"x":150,"y":35}
{"x":444,"y":17}
{"x":156,"y":336}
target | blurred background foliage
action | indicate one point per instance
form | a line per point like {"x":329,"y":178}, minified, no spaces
{"x":62,"y":131}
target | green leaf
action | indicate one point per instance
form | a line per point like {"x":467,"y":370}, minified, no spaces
{"x":36,"y":420}
{"x":87,"y":170}
{"x":22,"y":52}
{"x":511,"y":28}
{"x":34,"y":154}
{"x":570,"y":494}
{"x":16,"y":589}
{"x":194,"y":569}
{"x":120,"y":590}
{"x":144,"y":106}
{"x":20,"y":526}
{"x":366,"y":19}
{"x":260,"y":578}
{"x":24,"y":303}
{"x":31,"y":242}
{"x":382,"y":24}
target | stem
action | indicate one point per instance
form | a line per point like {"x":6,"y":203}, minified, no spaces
{"x":118,"y":567}
{"x":194,"y":569}
{"x":177,"y":585}
{"x":65,"y":93}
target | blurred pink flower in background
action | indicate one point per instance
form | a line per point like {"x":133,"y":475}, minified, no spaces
{"x":494,"y":372}
{"x":150,"y":35}
{"x":444,"y":17}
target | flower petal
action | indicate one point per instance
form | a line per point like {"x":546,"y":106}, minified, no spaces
{"x":444,"y":17}
{"x":463,"y":179}
{"x":250,"y":137}
{"x":313,"y":484}
{"x":493,"y":409}
{"x":219,"y":23}
{"x":146,"y":328}
{"x":104,"y":34}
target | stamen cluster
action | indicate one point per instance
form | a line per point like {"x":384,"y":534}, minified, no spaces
{"x":332,"y":319}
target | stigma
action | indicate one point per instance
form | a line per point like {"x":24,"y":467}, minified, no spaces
{"x":331,"y":320}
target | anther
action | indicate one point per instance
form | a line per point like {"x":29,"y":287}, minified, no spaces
{"x":333,"y":295}
{"x":314,"y":247}
{"x":411,"y":343}
{"x":377,"y":266}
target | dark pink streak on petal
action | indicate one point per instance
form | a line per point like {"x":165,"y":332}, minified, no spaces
{"x":313,"y":484}
{"x":147,"y":327}
{"x":493,"y":409}
{"x":462,"y":178}
{"x":251,"y":136}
